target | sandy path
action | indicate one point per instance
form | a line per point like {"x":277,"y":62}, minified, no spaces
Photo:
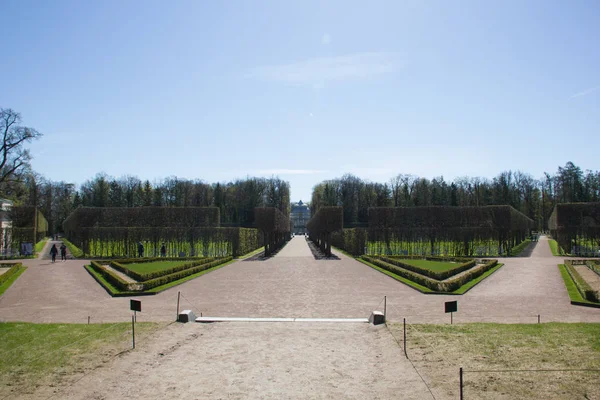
{"x":295,"y":284}
{"x":257,"y":361}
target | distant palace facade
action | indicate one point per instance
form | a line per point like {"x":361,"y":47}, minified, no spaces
{"x":299,"y":216}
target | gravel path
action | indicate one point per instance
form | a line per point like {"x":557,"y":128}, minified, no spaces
{"x":295,"y":284}
{"x":256,"y":361}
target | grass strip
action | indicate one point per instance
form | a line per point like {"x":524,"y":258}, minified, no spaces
{"x":252,"y":253}
{"x":572,"y":290}
{"x":6,"y":284}
{"x":39,"y":246}
{"x":74,"y":250}
{"x":554,"y":248}
{"x":518,"y":249}
{"x":469,"y":285}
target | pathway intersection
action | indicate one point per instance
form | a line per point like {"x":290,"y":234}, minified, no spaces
{"x":295,"y":284}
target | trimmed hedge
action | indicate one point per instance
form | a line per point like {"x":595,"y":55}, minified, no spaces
{"x":14,"y":267}
{"x":125,"y":286}
{"x":446,"y":286}
{"x":438,"y":275}
{"x":111,"y":277}
{"x":584,"y":288}
{"x":163,"y":280}
{"x":120,"y":266}
{"x":351,"y":240}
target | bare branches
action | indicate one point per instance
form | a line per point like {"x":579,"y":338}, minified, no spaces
{"x":14,"y":158}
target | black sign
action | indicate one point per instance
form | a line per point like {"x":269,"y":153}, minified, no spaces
{"x":135,"y":305}
{"x":451,"y":306}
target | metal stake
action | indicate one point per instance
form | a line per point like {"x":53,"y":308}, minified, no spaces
{"x":133,"y":330}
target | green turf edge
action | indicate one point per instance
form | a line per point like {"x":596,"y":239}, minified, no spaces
{"x":252,"y":253}
{"x":114,"y":292}
{"x":518,"y":249}
{"x":576,"y":297}
{"x":75,"y":251}
{"x":407,"y":282}
{"x":554,"y":248}
{"x":469,"y":285}
{"x":460,"y":291}
{"x":4,"y":287}
{"x":39,"y":246}
{"x":344,"y":252}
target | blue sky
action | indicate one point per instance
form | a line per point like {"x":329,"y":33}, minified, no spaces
{"x":305,"y":90}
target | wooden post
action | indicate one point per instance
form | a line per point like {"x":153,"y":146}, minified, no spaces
{"x":133,"y":331}
{"x":178,"y":295}
{"x":460,"y":373}
{"x":405,"y":354}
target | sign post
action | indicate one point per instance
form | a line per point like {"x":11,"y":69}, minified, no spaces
{"x":135,"y":306}
{"x":451,"y":307}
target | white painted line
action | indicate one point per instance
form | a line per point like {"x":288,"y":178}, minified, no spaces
{"x":240,"y":319}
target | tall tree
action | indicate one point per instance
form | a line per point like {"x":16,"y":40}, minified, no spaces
{"x":14,"y":157}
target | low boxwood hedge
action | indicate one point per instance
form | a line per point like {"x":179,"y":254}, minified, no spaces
{"x":438,"y":275}
{"x":163,"y":280}
{"x":121,"y":265}
{"x":13,"y":268}
{"x":446,"y":286}
{"x":582,"y":286}
{"x":434,"y":258}
{"x":111,"y":277}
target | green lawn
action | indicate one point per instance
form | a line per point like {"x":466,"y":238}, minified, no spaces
{"x":437,"y":266}
{"x":146,"y":268}
{"x":440,"y":350}
{"x":34,"y":354}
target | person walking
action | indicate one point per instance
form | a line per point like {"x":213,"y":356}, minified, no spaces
{"x":163,"y":250}
{"x":53,"y":252}
{"x":140,"y":249}
{"x":63,"y":252}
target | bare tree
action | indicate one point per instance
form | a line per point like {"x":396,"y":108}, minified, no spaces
{"x":14,"y":158}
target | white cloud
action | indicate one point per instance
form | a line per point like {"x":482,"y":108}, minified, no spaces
{"x":585,"y":92}
{"x":284,"y":171}
{"x":326,"y":39}
{"x":310,"y":115}
{"x":315,"y":72}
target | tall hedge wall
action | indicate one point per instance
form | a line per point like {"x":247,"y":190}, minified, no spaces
{"x":143,"y":217}
{"x":274,"y":225}
{"x":23,"y":219}
{"x":206,"y":242}
{"x":112,"y":232}
{"x":576,"y":225}
{"x":320,"y":227}
{"x":459,"y":226}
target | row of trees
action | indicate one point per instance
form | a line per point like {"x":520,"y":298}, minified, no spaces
{"x":535,"y":198}
{"x":236,"y":200}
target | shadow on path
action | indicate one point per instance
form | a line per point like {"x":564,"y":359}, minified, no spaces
{"x":318,"y":254}
{"x":528,"y":250}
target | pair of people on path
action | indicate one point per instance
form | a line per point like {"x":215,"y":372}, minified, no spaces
{"x":63,"y":252}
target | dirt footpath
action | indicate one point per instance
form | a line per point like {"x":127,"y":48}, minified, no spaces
{"x":256,"y":361}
